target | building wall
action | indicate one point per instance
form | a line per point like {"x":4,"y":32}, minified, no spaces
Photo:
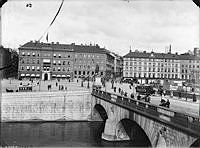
{"x":40,"y":61}
{"x":85,"y":64}
{"x":190,"y":69}
{"x":151,"y":68}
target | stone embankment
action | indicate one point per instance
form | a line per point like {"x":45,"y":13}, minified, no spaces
{"x":46,"y":106}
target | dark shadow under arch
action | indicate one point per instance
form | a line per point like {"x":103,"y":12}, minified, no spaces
{"x":101,"y":111}
{"x":196,"y":143}
{"x":136,"y":133}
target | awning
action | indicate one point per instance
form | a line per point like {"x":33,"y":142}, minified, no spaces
{"x":32,"y":75}
{"x":27,"y":75}
{"x":22,"y":75}
{"x":63,"y":76}
{"x":54,"y":76}
{"x":58,"y":76}
{"x":37,"y":75}
{"x":68,"y":76}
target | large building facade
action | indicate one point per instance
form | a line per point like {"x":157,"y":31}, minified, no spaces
{"x":48,"y":61}
{"x":190,"y":67}
{"x":45,"y":61}
{"x":143,"y":65}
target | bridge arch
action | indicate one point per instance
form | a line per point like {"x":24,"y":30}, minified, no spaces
{"x":99,"y":113}
{"x":134,"y":131}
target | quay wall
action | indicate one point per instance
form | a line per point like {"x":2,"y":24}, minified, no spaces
{"x":46,"y":106}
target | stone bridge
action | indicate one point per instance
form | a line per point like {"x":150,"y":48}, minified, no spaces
{"x":127,"y":119}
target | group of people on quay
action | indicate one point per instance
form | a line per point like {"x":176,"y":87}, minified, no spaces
{"x":134,"y":94}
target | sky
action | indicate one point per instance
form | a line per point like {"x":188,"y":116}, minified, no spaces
{"x":116,"y":25}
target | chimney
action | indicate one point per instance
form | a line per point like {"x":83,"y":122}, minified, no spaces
{"x":196,"y":52}
{"x":170,"y":49}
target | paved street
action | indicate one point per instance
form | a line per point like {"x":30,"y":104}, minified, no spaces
{"x":180,"y":105}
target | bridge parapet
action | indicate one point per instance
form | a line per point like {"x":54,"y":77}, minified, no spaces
{"x":184,"y":122}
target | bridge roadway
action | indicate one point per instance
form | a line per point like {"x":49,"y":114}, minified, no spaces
{"x":187,"y":123}
{"x":180,"y":105}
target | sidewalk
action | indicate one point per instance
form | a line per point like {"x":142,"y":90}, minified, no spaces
{"x":126,"y":88}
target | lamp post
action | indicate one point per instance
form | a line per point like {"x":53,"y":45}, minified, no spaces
{"x":82,"y":82}
{"x":88,"y":86}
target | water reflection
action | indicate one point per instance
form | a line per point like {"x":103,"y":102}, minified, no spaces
{"x":57,"y":134}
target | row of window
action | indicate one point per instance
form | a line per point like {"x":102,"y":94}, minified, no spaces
{"x":87,"y":67}
{"x":148,"y":59}
{"x":188,"y":76}
{"x":154,"y":64}
{"x":45,"y":54}
{"x":33,"y":61}
{"x":85,"y":72}
{"x":151,"y":75}
{"x":88,"y":56}
{"x":190,"y":66}
{"x":153,"y":69}
{"x":88,"y":61}
{"x":59,"y":62}
{"x":33,"y":68}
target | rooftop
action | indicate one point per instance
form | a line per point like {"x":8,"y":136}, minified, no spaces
{"x":69,"y":47}
{"x":153,"y":55}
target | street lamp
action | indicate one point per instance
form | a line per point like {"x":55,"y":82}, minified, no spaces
{"x":88,"y":86}
{"x":82,"y":82}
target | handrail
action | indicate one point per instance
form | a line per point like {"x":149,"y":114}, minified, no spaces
{"x":189,"y":122}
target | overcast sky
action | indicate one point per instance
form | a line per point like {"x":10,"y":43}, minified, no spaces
{"x":114,"y":24}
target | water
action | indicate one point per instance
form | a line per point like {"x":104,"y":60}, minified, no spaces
{"x":57,"y":134}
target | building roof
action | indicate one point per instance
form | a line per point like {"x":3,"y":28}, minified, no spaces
{"x":69,"y":47}
{"x":187,"y":56}
{"x":152,"y":55}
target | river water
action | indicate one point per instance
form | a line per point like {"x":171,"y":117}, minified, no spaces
{"x":59,"y":134}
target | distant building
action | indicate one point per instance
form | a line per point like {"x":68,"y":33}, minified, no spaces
{"x":190,"y":67}
{"x":54,"y":61}
{"x":145,"y":66}
{"x":9,"y":63}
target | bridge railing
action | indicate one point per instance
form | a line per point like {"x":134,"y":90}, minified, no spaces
{"x":187,"y":122}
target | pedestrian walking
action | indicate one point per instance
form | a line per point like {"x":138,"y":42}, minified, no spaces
{"x":122,"y":92}
{"x":119,"y":89}
{"x":167,"y":104}
{"x":114,"y":89}
{"x":125,"y":94}
{"x":194,"y":97}
{"x":132,"y":95}
{"x":179,"y":95}
{"x":138,"y":97}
